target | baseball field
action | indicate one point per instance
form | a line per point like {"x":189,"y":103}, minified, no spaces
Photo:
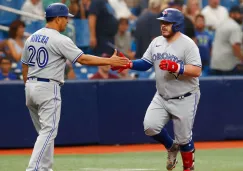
{"x":213,"y":156}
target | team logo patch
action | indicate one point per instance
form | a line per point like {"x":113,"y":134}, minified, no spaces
{"x":164,"y":13}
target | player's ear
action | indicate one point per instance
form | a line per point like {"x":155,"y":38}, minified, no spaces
{"x":57,"y":20}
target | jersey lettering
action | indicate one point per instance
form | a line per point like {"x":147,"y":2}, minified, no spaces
{"x":39,"y":38}
{"x":41,"y":56}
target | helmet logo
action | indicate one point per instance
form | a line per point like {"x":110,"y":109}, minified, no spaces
{"x":164,"y":13}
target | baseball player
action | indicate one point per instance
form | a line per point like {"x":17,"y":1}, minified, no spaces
{"x":177,"y":64}
{"x":44,"y":57}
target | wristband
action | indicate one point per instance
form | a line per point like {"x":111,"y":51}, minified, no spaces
{"x":181,"y":70}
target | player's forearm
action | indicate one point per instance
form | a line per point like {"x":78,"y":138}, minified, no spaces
{"x":192,"y":71}
{"x":140,"y":65}
{"x":25,"y":72}
{"x":92,"y":25}
{"x":93,"y":60}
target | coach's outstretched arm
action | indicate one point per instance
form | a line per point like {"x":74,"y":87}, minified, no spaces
{"x":114,"y":60}
{"x":169,"y":65}
{"x":138,"y":64}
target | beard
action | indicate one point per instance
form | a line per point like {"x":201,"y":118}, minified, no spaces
{"x":167,"y":36}
{"x":239,"y":21}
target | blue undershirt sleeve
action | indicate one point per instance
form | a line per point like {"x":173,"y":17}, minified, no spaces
{"x":140,"y":65}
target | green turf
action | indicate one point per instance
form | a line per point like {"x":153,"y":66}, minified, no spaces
{"x":206,"y":160}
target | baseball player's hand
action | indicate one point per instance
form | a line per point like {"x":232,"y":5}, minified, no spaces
{"x":122,"y":68}
{"x":169,"y":65}
{"x":117,"y":61}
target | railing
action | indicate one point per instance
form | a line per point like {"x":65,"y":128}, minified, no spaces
{"x":27,"y":14}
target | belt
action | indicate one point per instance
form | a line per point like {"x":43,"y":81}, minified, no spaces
{"x":180,"y":97}
{"x":43,"y":80}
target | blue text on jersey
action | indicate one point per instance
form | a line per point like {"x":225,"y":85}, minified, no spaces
{"x":39,"y":38}
{"x":160,"y":56}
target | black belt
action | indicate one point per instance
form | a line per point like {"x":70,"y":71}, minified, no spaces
{"x":180,"y":97}
{"x":39,"y":79}
{"x":42,"y":80}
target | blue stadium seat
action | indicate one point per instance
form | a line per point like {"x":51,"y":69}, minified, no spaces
{"x":8,"y":17}
{"x":84,"y":72}
{"x":142,"y":74}
{"x":3,"y":35}
{"x":135,"y":11}
{"x":34,"y":26}
{"x":82,"y":32}
{"x":227,"y":3}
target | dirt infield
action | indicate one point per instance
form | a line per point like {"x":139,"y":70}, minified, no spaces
{"x":123,"y":148}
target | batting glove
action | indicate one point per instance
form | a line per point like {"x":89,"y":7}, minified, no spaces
{"x":171,"y":66}
{"x":120,"y":69}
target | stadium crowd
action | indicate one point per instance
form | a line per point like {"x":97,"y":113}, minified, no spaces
{"x":99,"y":26}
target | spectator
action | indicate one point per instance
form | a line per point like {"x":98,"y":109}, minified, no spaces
{"x":103,"y":26}
{"x":16,"y":41}
{"x":241,"y":5}
{"x":74,"y":8}
{"x":147,"y":27}
{"x":123,"y":38}
{"x":189,"y":29}
{"x":34,"y":7}
{"x":104,"y":71}
{"x":133,"y":3}
{"x":69,"y":72}
{"x":121,"y":9}
{"x":144,"y":5}
{"x":125,"y":75}
{"x":84,"y":8}
{"x":204,"y":40}
{"x":79,"y":8}
{"x":164,"y":4}
{"x":3,"y":45}
{"x":214,"y":14}
{"x":5,"y":68}
{"x":226,"y":53}
{"x":192,"y":9}
{"x":46,"y":3}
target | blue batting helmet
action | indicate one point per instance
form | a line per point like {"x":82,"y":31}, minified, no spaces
{"x":174,"y":16}
{"x":57,"y":10}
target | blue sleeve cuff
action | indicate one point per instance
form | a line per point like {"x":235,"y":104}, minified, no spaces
{"x":77,"y":57}
{"x":141,"y":65}
{"x":24,"y":62}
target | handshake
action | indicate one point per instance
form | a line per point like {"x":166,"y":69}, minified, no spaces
{"x":165,"y":64}
{"x":119,"y":69}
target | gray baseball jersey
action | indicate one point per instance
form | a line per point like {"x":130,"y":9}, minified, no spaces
{"x":183,"y":50}
{"x":228,"y":34}
{"x":169,"y":85}
{"x":46,"y":52}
